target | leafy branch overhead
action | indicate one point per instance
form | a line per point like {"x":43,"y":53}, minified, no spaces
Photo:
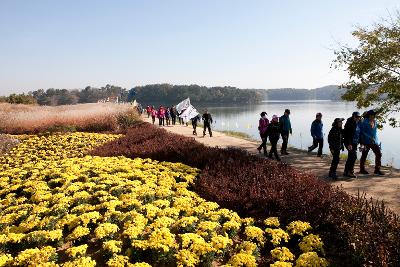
{"x":374,"y":68}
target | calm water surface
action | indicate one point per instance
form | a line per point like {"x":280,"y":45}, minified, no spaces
{"x":245,"y":119}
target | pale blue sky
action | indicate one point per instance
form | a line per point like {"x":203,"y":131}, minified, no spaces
{"x":248,"y":44}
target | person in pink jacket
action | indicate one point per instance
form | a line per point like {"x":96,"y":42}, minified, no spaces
{"x":263,"y":129}
{"x":161,"y":116}
{"x":153,"y":114}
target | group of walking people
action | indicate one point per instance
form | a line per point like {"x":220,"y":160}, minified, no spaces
{"x":169,"y":115}
{"x":273,"y":130}
{"x":359,"y":134}
{"x":165,"y":115}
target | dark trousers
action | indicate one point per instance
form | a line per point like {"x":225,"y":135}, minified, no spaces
{"x":263,"y":144}
{"x":207,"y":126}
{"x":285,"y":139}
{"x":153,"y":119}
{"x":317,"y":142}
{"x":161,"y":121}
{"x":173,"y":119}
{"x":180,"y":121}
{"x":167,"y":120}
{"x":194,"y":128}
{"x":351,"y":159}
{"x":274,"y":148}
{"x":335,"y":161}
{"x":378,"y":156}
{"x":148,"y":114}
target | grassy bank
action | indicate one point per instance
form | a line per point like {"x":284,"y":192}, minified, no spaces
{"x":96,"y":117}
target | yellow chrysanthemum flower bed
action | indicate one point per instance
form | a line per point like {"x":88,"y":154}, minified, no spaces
{"x":59,"y":207}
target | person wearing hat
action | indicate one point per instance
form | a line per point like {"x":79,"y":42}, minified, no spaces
{"x":317,"y":134}
{"x":274,"y":131}
{"x":351,"y":140}
{"x":263,"y":129}
{"x":369,"y":139}
{"x":335,"y":140}
{"x":286,"y":129}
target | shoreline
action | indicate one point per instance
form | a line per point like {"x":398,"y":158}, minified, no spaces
{"x":379,"y":188}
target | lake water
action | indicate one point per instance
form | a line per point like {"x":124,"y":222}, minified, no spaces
{"x":245,"y":119}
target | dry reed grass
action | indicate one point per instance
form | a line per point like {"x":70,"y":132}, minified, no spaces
{"x":93,"y":117}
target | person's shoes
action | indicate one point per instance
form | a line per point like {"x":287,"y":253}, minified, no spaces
{"x":286,"y":153}
{"x":364,"y":172}
{"x":349,"y":175}
{"x":278,"y":159}
{"x":309,"y":150}
{"x":270,"y":157}
{"x":259,"y":149}
{"x":379,"y":172}
{"x":332,"y":176}
{"x":319,"y":156}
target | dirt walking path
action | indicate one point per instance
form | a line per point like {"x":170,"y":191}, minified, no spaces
{"x":386,"y":188}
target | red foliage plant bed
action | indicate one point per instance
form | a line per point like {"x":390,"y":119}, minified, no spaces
{"x":356,"y":231}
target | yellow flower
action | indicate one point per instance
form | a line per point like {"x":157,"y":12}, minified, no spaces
{"x":35,"y":256}
{"x":272,"y":222}
{"x":220,"y":242}
{"x":277,"y":236}
{"x":311,"y":259}
{"x":254,"y":233}
{"x":282,"y":254}
{"x":243,"y":259}
{"x":118,"y":261}
{"x":281,"y":264}
{"x":112,"y":246}
{"x":298,"y":228}
{"x":78,"y":232}
{"x":5,"y":259}
{"x":83,"y":261}
{"x":77,"y":251}
{"x":186,"y":257}
{"x":105,"y":230}
{"x":311,"y":243}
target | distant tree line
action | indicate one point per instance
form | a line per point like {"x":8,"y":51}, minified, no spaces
{"x":18,"y":99}
{"x":331,"y":92}
{"x":198,"y":94}
{"x":167,"y":93}
{"x":55,"y":97}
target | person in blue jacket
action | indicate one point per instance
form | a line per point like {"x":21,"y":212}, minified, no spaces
{"x":317,"y":134}
{"x":369,"y":140}
{"x":286,"y":129}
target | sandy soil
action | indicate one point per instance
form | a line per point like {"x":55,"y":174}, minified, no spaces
{"x":386,"y":188}
{"x":7,"y":143}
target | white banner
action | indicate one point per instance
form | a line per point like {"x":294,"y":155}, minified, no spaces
{"x":189,"y":113}
{"x":183,"y":105}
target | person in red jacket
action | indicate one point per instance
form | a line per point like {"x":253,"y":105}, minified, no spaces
{"x":148,"y":110}
{"x":263,"y":129}
{"x":161,"y":116}
{"x":154,"y":114}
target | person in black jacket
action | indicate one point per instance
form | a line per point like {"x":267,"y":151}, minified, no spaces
{"x":351,"y":140}
{"x":174,"y":113}
{"x":274,"y":131}
{"x":207,"y":119}
{"x":194,"y":123}
{"x":335,"y":140}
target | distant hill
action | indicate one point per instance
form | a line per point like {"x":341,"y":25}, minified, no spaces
{"x":330,"y":92}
